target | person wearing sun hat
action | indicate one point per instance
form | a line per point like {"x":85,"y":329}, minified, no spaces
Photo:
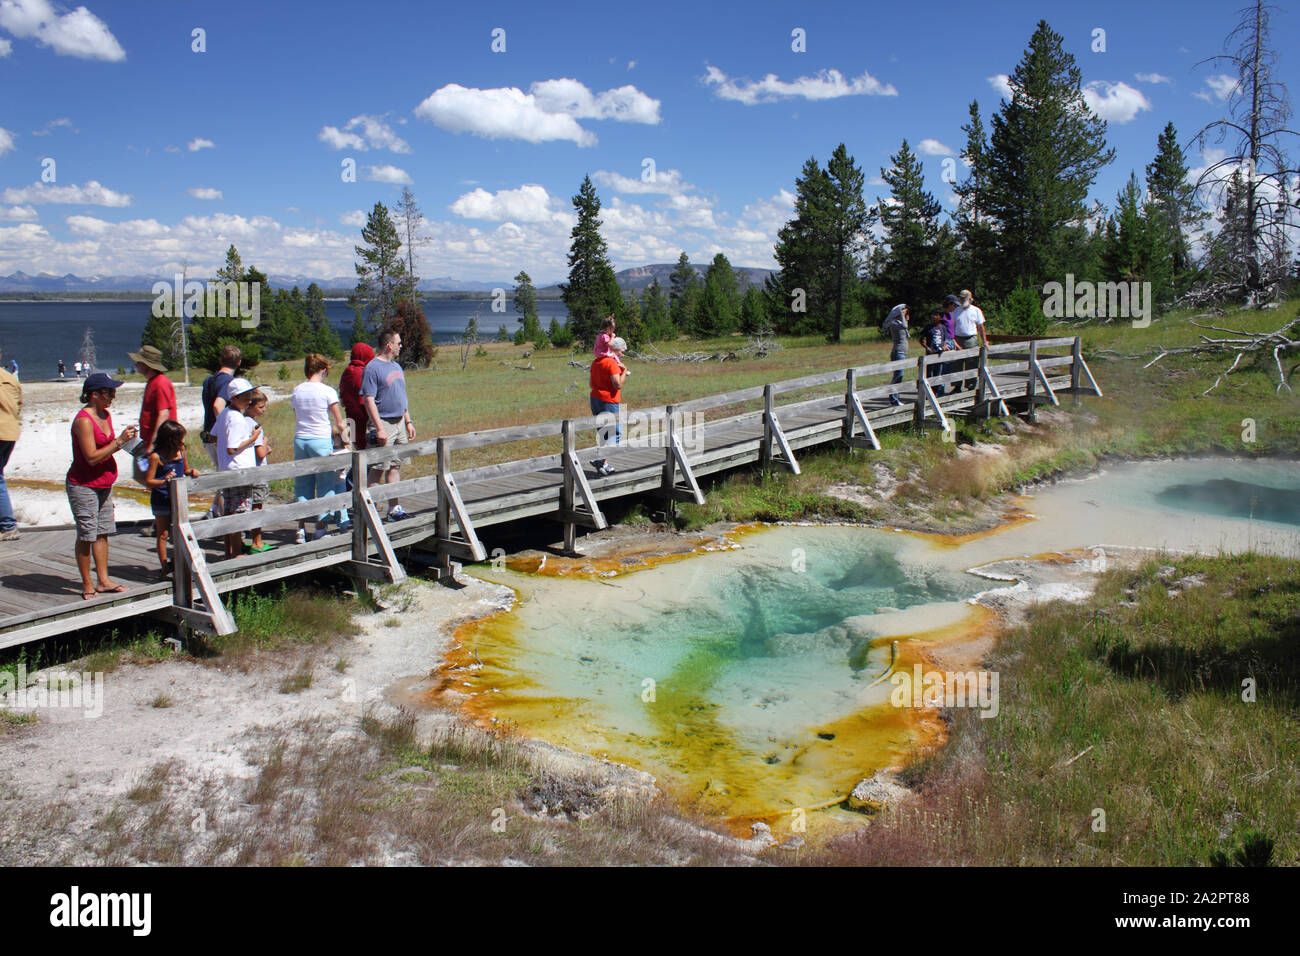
{"x":157,"y":406}
{"x":90,"y":481}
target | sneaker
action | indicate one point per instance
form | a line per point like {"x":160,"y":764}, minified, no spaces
{"x":597,"y":464}
{"x":302,"y":536}
{"x":606,"y":468}
{"x":894,"y":400}
{"x":396,"y":513}
{"x":10,"y":535}
{"x":320,"y":533}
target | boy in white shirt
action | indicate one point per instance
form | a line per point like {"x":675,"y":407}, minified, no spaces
{"x":237,"y":436}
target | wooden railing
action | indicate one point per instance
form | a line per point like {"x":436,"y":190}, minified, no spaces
{"x":576,"y":504}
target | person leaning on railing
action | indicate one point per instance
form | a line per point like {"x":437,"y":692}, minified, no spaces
{"x":90,"y":481}
{"x":317,"y":420}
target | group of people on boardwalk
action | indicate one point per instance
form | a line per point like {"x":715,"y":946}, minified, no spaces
{"x":957,"y":324}
{"x":372,"y":413}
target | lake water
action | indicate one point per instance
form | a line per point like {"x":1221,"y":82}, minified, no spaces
{"x":38,"y":334}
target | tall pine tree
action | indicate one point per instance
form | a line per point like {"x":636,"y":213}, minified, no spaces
{"x":381,"y":269}
{"x":1178,"y":215}
{"x":798,"y":292}
{"x":918,"y":261}
{"x":1045,"y":152}
{"x":588,"y":295}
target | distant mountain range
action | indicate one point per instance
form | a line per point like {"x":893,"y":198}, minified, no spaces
{"x":634,"y":279}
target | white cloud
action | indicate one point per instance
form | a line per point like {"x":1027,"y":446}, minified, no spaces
{"x":204,"y":192}
{"x":171,"y":149}
{"x":827,"y":84}
{"x":506,"y":113}
{"x":388,"y":174}
{"x":631,"y":64}
{"x":6,"y":141}
{"x":932,"y":147}
{"x":19,"y":214}
{"x":550,"y":110}
{"x":355,"y":218}
{"x":1114,"y":102}
{"x":1209,"y":156}
{"x":52,"y":125}
{"x":668,"y":181}
{"x":1152,"y":78}
{"x":374,"y":133}
{"x":876,"y":181}
{"x":91,"y":194}
{"x":626,"y":104}
{"x":1001,"y":84}
{"x":335,"y":138}
{"x":528,"y":203}
{"x":199,"y":143}
{"x":79,"y":33}
{"x":6,"y":47}
{"x":1222,"y":86}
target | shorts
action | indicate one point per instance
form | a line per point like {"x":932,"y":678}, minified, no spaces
{"x":397,"y":435}
{"x":92,"y":510}
{"x":259,"y":493}
{"x":236,"y":500}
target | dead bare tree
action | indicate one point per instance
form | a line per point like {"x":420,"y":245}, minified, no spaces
{"x":409,"y":219}
{"x":1248,"y":256}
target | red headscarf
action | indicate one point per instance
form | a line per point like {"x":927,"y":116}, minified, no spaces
{"x":350,"y":383}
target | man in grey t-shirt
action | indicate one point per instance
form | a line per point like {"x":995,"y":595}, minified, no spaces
{"x":383,"y":391}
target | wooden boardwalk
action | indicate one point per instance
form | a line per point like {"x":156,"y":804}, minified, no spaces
{"x":667,"y":450}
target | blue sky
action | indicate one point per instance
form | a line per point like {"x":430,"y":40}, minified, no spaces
{"x":163,"y":154}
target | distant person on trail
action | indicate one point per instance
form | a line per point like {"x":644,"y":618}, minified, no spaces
{"x":11,"y":406}
{"x":62,"y":368}
{"x":350,"y":393}
{"x":90,"y":481}
{"x":968,"y":330}
{"x":383,"y":389}
{"x":604,"y":338}
{"x":157,"y":406}
{"x":895,"y":326}
{"x":607,"y":377}
{"x":214,"y":390}
{"x":76,"y":368}
{"x":13,"y":368}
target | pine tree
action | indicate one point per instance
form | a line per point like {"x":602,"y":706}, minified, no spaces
{"x":380,"y":271}
{"x":1177,"y":212}
{"x":586,"y":294}
{"x":683,"y":293}
{"x":753,"y":311}
{"x":1044,"y":154}
{"x":798,"y":292}
{"x":654,"y":314}
{"x":977,"y":237}
{"x":502,"y":334}
{"x":917,"y":263}
{"x":526,"y":306}
{"x":630,"y":325}
{"x":208,"y":333}
{"x":359,"y":333}
{"x":846,"y":226}
{"x":718,"y":312}
{"x":321,"y":336}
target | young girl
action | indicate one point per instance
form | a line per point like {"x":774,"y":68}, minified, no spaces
{"x":604,"y":338}
{"x":167,"y":461}
{"x":261,"y":490}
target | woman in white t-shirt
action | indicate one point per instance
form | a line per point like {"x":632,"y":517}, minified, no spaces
{"x":317,"y":420}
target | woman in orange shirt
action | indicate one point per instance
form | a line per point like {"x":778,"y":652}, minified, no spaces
{"x":607,"y":377}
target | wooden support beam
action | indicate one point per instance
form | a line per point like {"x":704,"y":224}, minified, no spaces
{"x":573,"y":486}
{"x":1031,"y":385}
{"x":186,"y":549}
{"x":772,"y":433}
{"x":985,"y":386}
{"x":675,"y":460}
{"x":855,"y":415}
{"x":1079,"y":368}
{"x":450,"y":505}
{"x":1037,"y":370}
{"x":932,"y":400}
{"x":367,"y":512}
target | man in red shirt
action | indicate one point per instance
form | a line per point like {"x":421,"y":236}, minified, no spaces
{"x":608,"y":374}
{"x":158,"y":406}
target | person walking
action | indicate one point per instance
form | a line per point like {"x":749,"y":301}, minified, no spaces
{"x":895,"y":326}
{"x":157,"y":406}
{"x":317,"y":419}
{"x":11,"y":406}
{"x":607,"y":377}
{"x":89,"y":483}
{"x":350,"y":393}
{"x":62,"y":368}
{"x":968,"y":330}
{"x":383,"y":389}
{"x":214,"y":391}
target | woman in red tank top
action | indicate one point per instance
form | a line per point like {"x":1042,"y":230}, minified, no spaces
{"x":90,"y":481}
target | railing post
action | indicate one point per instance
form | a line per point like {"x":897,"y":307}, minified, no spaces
{"x":850,"y":390}
{"x":1031,"y":390}
{"x":765,"y":450}
{"x":359,"y":547}
{"x":918,"y":414}
{"x":1076,"y":361}
{"x":980,"y":371}
{"x":566,"y":488}
{"x":442,"y":524}
{"x":670,"y":465}
{"x":182,"y":589}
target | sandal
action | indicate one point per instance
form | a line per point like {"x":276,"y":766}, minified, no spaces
{"x":115,"y":589}
{"x":89,"y":595}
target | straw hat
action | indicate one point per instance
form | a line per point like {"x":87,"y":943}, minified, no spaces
{"x":149,"y":356}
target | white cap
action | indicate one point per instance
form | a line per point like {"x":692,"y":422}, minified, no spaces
{"x":618,"y":344}
{"x":237,"y":386}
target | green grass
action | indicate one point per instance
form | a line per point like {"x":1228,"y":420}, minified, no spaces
{"x":1147,"y":691}
{"x":282,"y":618}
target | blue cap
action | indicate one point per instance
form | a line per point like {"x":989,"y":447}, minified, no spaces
{"x":98,"y":380}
